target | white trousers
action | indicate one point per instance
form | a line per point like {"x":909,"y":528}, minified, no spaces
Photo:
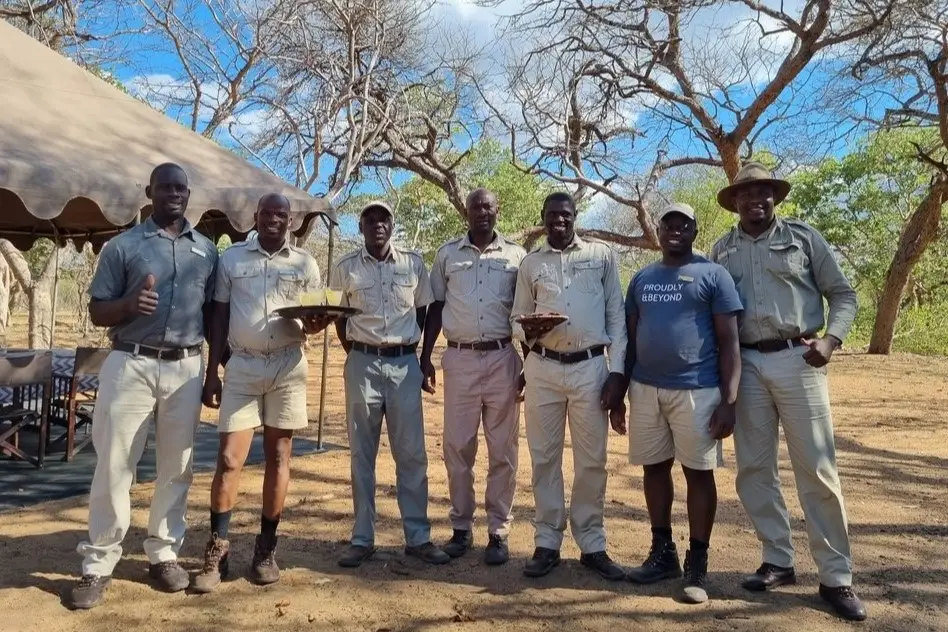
{"x":133,"y":391}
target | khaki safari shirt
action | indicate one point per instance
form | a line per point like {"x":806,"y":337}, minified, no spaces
{"x":256,"y":283}
{"x":782,"y":277}
{"x":581,"y":282}
{"x":477,"y":288}
{"x":388,"y":292}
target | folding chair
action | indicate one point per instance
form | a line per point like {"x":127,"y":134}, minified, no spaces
{"x":75,"y":398}
{"x":29,"y":375}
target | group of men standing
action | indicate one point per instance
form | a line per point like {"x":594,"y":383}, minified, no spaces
{"x":703,"y":347}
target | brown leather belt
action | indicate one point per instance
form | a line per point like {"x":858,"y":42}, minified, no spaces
{"x":175,"y":353}
{"x":772,"y":346}
{"x":487,"y":345}
{"x":569,"y":357}
{"x":385,"y":352}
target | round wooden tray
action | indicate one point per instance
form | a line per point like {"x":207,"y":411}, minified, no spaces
{"x":302,"y":311}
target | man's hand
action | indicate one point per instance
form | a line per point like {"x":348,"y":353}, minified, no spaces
{"x":429,"y":375}
{"x":532,"y":331}
{"x":612,"y":391}
{"x":145,"y":302}
{"x":722,"y":421}
{"x":820,"y":351}
{"x":315,"y":323}
{"x":211,"y":395}
{"x":617,"y":418}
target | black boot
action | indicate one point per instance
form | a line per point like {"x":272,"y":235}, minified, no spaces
{"x":661,"y":563}
{"x":459,"y":544}
{"x":696,"y":577}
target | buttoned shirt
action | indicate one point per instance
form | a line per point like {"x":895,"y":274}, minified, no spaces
{"x":581,"y":282}
{"x":477,"y":288}
{"x":388,"y":293}
{"x":256,"y":283}
{"x":782,"y":277}
{"x":183,"y":268}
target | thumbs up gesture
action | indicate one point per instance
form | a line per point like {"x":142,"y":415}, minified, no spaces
{"x":145,"y":302}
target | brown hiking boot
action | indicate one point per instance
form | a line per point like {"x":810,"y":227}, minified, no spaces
{"x":264,"y":569}
{"x":216,"y":566}
{"x":88,"y":592}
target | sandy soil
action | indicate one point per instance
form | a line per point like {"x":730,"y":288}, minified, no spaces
{"x":892,"y":437}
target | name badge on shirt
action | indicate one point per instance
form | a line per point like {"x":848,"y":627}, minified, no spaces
{"x":198,"y":251}
{"x":686,"y":279}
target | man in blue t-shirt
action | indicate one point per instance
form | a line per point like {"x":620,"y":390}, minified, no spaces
{"x":684,"y":364}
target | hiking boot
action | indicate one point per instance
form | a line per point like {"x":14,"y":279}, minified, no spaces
{"x":544,"y":561}
{"x":216,"y":566}
{"x":696,"y":577}
{"x":602,"y":564}
{"x":355,"y":555}
{"x":459,"y":544}
{"x":844,"y":602}
{"x":89,"y":591}
{"x":169,"y":576}
{"x":429,"y":553}
{"x":661,"y":563}
{"x":769,"y":576}
{"x":496,"y":552}
{"x":263,"y":568}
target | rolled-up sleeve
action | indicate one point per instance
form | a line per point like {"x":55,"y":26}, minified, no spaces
{"x":615,"y":315}
{"x":423,"y":297}
{"x":222,"y":281}
{"x":524,"y":301}
{"x":834,"y":286}
{"x":108,"y":282}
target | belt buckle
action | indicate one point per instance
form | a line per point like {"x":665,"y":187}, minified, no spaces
{"x":789,"y":343}
{"x":589,"y":354}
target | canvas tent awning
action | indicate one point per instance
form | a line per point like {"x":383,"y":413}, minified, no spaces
{"x":76,"y":153}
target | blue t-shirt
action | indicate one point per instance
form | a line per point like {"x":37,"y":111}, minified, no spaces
{"x":675,"y":343}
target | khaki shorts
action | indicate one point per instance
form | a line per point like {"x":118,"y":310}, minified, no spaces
{"x":669,"y":423}
{"x":267,"y":390}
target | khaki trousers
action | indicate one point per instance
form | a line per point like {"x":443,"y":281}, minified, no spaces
{"x":134,"y":391}
{"x":782,"y":388}
{"x":556,"y":392}
{"x":481,"y":385}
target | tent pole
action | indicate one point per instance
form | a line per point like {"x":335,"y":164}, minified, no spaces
{"x":52,"y":323}
{"x":322,"y":386}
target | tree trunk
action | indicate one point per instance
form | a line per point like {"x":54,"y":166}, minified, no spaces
{"x":41,"y":305}
{"x":5,"y":282}
{"x":920,"y":230}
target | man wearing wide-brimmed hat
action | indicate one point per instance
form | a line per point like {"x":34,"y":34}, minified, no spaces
{"x":784,"y":269}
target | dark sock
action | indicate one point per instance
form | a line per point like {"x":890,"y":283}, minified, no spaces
{"x":268,"y":527}
{"x":698,"y":545}
{"x":662,"y":533}
{"x":220,"y":523}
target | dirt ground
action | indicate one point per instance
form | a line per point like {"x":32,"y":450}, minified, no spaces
{"x":892,"y":438}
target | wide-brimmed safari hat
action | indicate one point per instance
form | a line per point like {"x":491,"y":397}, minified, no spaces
{"x":753,"y":173}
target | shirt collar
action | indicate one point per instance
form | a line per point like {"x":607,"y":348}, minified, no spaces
{"x":254,"y":244}
{"x":151,"y":228}
{"x":578,"y":243}
{"x":778,"y":232}
{"x":493,"y":245}
{"x":391,"y":254}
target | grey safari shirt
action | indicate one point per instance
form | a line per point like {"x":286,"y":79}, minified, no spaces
{"x":782,"y":277}
{"x":183,"y":267}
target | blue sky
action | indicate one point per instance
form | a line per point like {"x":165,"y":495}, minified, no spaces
{"x":159,"y":73}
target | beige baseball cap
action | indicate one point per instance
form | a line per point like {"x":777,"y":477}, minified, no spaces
{"x":376,"y":204}
{"x":680,"y":208}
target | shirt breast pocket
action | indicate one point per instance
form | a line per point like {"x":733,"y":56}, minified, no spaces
{"x":363,"y":294}
{"x":245,"y":280}
{"x":403,"y":287}
{"x":502,"y":279}
{"x":587,"y":275}
{"x":547,"y":287}
{"x":462,"y":278}
{"x":290,"y":284}
{"x":787,"y":260}
{"x":729,"y":263}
